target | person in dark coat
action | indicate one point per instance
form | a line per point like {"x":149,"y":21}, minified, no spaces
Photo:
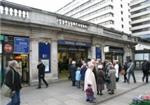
{"x":13,"y":81}
{"x":125,"y":72}
{"x":73,"y":72}
{"x":145,"y":69}
{"x":100,"y":79}
{"x":41,"y":74}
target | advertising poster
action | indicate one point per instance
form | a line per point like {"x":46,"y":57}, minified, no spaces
{"x":44,"y":55}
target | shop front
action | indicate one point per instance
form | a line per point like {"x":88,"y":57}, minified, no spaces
{"x":114,"y":53}
{"x":69,"y":51}
{"x":17,"y":48}
{"x":1,"y":78}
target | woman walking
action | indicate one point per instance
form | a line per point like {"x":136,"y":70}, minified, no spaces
{"x":13,"y":81}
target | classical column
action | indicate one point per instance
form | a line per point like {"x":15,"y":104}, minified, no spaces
{"x":33,"y":60}
{"x":93,"y":51}
{"x":102,"y":52}
{"x":54,"y":59}
{"x":127,"y":53}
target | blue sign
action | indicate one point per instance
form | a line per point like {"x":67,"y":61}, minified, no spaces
{"x":21,"y":45}
{"x":98,"y":53}
{"x":44,"y":55}
{"x":73,"y":43}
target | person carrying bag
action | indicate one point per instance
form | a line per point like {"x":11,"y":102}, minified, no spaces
{"x":13,"y":81}
{"x":6,"y":91}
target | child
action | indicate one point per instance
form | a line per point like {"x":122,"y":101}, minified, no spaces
{"x":78,"y":77}
{"x":89,"y":94}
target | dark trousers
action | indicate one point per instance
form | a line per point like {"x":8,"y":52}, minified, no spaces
{"x":129,"y":74}
{"x":78,"y":84}
{"x":43,"y":81}
{"x":125,"y":77}
{"x":145,"y":74}
{"x":73,"y":83}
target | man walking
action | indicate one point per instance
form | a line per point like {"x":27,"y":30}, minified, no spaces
{"x":41,"y":74}
{"x":145,"y":69}
{"x":130,"y":71}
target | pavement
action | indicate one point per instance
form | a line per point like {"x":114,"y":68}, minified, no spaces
{"x":62,"y":93}
{"x":126,"y":98}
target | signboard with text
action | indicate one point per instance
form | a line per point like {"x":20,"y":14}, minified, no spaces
{"x":21,"y":45}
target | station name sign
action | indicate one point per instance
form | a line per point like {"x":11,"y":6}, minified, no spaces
{"x":73,"y":43}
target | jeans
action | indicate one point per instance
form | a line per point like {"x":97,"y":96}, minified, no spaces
{"x":131,"y":73}
{"x":15,"y":99}
{"x":90,"y":98}
{"x":78,"y":84}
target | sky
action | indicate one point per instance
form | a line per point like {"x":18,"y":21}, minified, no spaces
{"x":48,"y":5}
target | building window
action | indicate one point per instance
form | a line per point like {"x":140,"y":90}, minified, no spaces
{"x":121,"y":6}
{"x":121,"y":19}
{"x":122,"y":12}
{"x":122,"y":26}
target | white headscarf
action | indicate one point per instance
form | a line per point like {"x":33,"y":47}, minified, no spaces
{"x":15,"y":65}
{"x":90,"y":78}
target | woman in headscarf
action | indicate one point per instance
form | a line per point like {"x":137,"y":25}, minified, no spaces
{"x":90,"y":78}
{"x":111,"y":82}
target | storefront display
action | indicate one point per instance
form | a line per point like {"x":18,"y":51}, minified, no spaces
{"x":70,"y":50}
{"x":0,"y":62}
{"x":17,"y":48}
{"x":114,"y":53}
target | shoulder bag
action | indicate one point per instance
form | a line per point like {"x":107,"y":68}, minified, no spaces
{"x":6,"y":91}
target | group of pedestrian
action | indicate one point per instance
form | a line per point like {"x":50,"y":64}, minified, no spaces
{"x":92,"y":77}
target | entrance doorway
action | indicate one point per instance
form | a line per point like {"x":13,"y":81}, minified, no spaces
{"x":23,"y":61}
{"x":114,"y":56}
{"x":66,"y":54}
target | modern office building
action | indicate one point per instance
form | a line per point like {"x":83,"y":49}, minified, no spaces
{"x":140,"y":16}
{"x":109,"y":13}
{"x":140,"y":22}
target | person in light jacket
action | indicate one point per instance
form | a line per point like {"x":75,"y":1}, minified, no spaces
{"x":90,"y":78}
{"x":111,"y":82}
{"x":116,"y":66}
{"x":78,"y":77}
{"x":130,"y":71}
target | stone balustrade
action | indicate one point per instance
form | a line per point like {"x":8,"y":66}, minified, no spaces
{"x":24,"y":14}
{"x":12,"y":10}
{"x":70,"y":23}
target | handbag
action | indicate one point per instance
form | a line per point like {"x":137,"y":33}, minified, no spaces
{"x":6,"y":91}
